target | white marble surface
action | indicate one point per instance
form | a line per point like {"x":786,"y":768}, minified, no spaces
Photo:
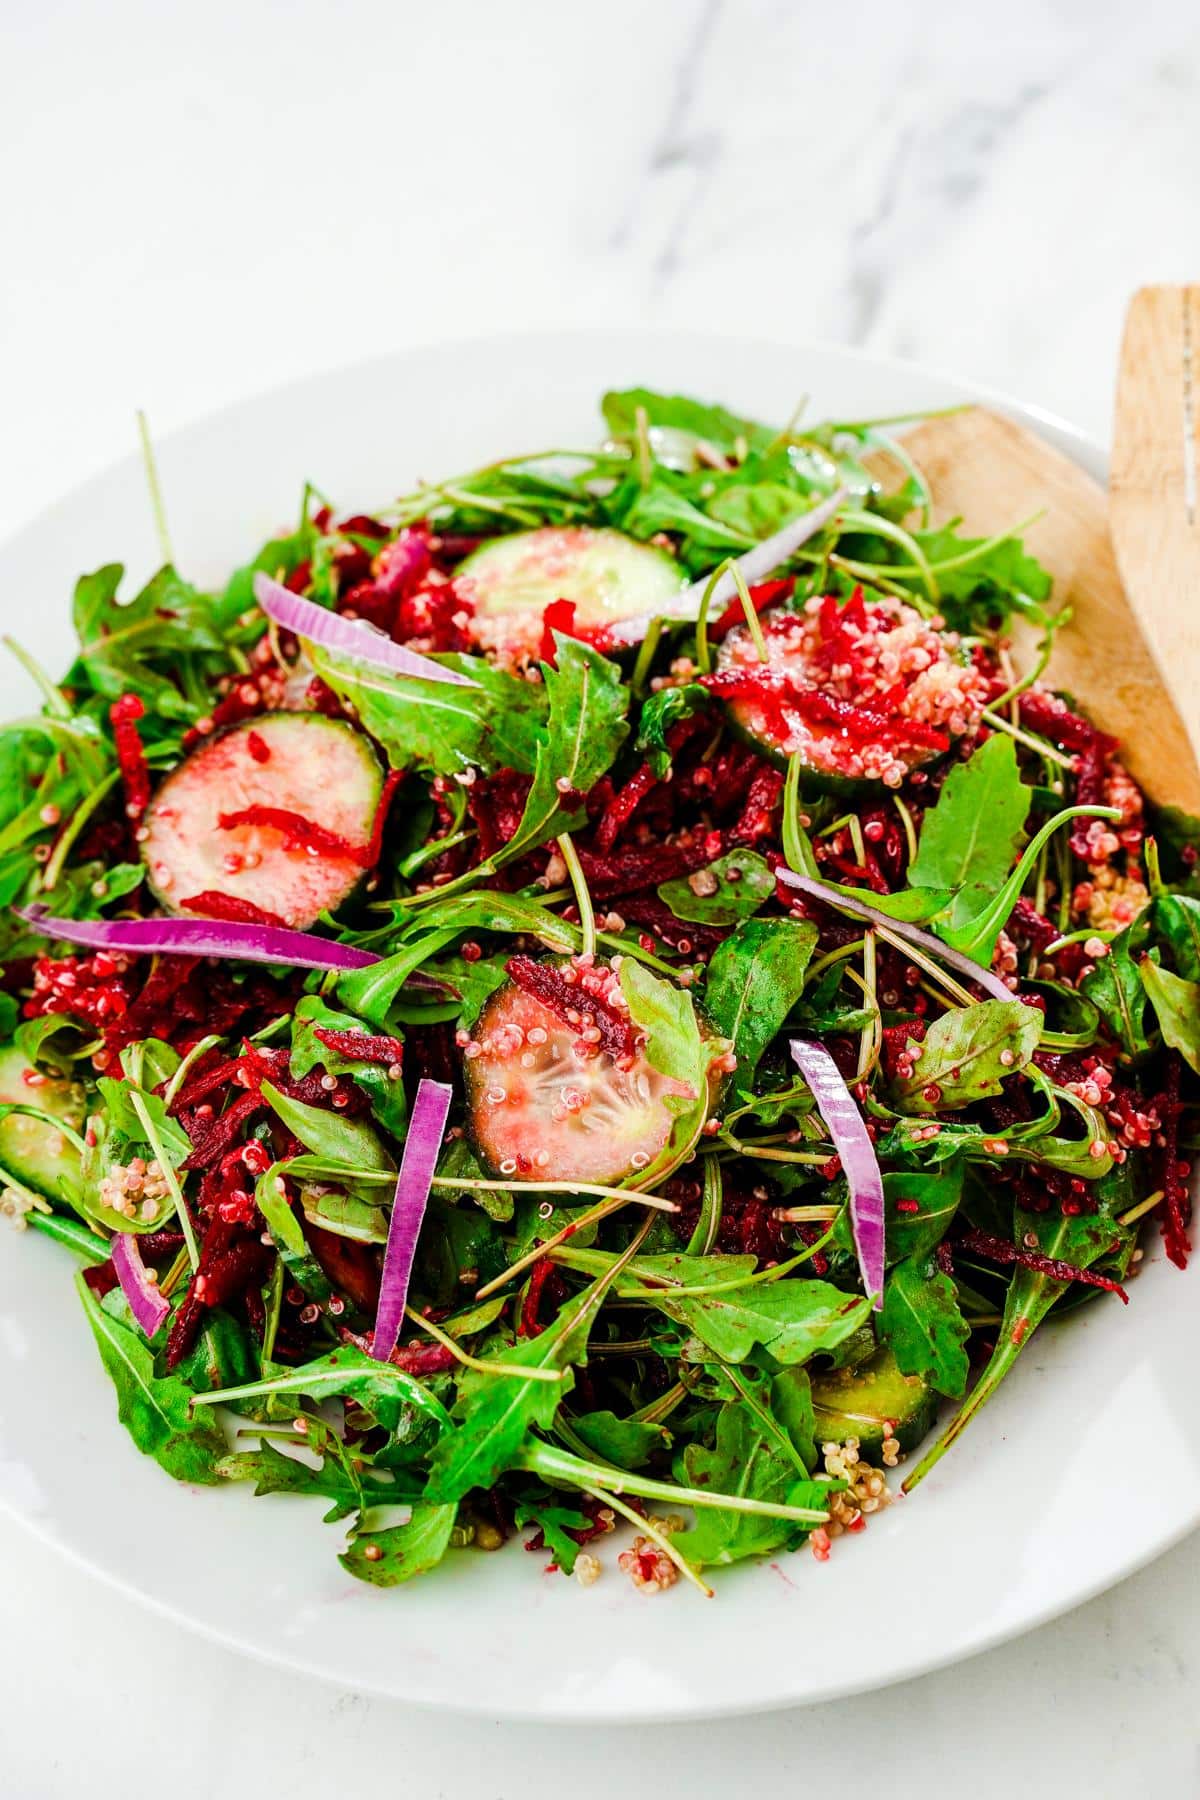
{"x":200,"y":203}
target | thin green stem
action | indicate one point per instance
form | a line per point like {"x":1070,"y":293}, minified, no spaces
{"x":156,"y":497}
{"x":69,"y":837}
{"x":583,"y":899}
{"x":168,"y":1174}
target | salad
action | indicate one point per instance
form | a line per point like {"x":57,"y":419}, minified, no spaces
{"x":595,"y":997}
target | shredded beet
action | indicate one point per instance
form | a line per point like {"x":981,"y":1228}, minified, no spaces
{"x":880,"y":722}
{"x":221,"y":1132}
{"x":629,"y":871}
{"x":1052,"y":718}
{"x":759,"y":813}
{"x":230,"y":1260}
{"x":539,"y":1275}
{"x":131,"y":756}
{"x":623,"y":806}
{"x":558,"y":616}
{"x":379,"y":822}
{"x":1175,"y":1208}
{"x":298,"y":832}
{"x":213,"y":904}
{"x":995,"y":1249}
{"x":361,"y":1045}
{"x":564,"y":998}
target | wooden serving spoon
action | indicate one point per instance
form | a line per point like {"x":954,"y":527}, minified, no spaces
{"x":989,"y":472}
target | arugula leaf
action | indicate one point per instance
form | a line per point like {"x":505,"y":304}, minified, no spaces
{"x":659,"y":713}
{"x":386,"y":1558}
{"x":584,"y":730}
{"x":626,"y":1442}
{"x":138,"y":647}
{"x":455,"y":1242}
{"x":497,"y":724}
{"x":923,"y":1323}
{"x":744,"y":884}
{"x":936,"y":1195}
{"x":1176,"y":1004}
{"x":154,"y":1409}
{"x":555,"y":1523}
{"x":1114,"y":986}
{"x":754,"y":979}
{"x":968,"y":1053}
{"x":675,"y":1047}
{"x":675,"y":412}
{"x":1080,"y":1239}
{"x":495,"y":1413}
{"x":329,"y":1135}
{"x":221,"y":1356}
{"x":755,"y":1454}
{"x":385,"y":1391}
{"x":970,"y":838}
{"x":1177,"y":920}
{"x":791,"y":1319}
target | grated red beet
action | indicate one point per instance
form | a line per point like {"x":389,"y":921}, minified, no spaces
{"x":298,"y":832}
{"x":563,"y":998}
{"x":623,"y":806}
{"x":379,"y":823}
{"x":131,"y":756}
{"x":230,"y":1260}
{"x":995,"y":1249}
{"x":759,"y":815}
{"x":362,"y":1045}
{"x":220,"y":1134}
{"x":629,"y":871}
{"x":1053,"y":719}
{"x":213,"y":904}
{"x":1176,"y":1205}
{"x":496,"y":805}
{"x":539,"y":1276}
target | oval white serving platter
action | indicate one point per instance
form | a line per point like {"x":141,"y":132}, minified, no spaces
{"x":1085,"y":1466}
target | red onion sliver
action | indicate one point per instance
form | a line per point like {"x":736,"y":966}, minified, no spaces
{"x":347,"y":637}
{"x":146,"y":1304}
{"x":421,"y":1147}
{"x":857,"y":1153}
{"x":925,"y":940}
{"x":200,"y":937}
{"x":754,"y":566}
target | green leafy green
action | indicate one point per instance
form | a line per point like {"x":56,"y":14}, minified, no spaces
{"x":754,"y":979}
{"x":744,"y":884}
{"x":154,"y":1409}
{"x":1176,"y":1004}
{"x":968,"y":1053}
{"x":924,"y":1325}
{"x":386,"y":1558}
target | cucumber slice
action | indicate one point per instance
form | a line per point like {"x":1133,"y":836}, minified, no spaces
{"x":607,"y":576}
{"x":855,"y":1402}
{"x":321,"y":770}
{"x":30,"y":1149}
{"x":541,"y":1103}
{"x":863,"y":693}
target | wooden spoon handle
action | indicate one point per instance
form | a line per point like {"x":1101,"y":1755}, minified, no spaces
{"x":1154,"y":506}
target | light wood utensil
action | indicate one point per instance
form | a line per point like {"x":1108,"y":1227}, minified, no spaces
{"x":1153,"y":504}
{"x":991,"y":473}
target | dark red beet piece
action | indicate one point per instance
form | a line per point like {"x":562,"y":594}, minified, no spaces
{"x":298,"y":832}
{"x":995,"y":1249}
{"x":362,"y":1045}
{"x":562,"y":998}
{"x":213,"y":904}
{"x":131,"y":757}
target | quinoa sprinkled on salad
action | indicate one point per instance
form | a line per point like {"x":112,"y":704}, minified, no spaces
{"x":592,"y":999}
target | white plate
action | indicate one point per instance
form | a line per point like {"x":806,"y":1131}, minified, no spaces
{"x":1083,"y":1467}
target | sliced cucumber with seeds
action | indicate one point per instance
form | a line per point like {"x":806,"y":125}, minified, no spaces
{"x":607,"y":576}
{"x":855,"y":1403}
{"x":545,"y":1104}
{"x":286,"y":771}
{"x":33,"y":1150}
{"x":862,"y":694}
